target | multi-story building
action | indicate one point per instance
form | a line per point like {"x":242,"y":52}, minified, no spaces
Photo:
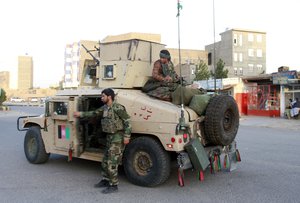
{"x":188,"y":56}
{"x":75,"y":56}
{"x":4,"y":80}
{"x":243,"y":51}
{"x":25,"y":72}
{"x":189,"y":60}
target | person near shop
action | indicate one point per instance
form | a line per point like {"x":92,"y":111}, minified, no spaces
{"x":295,"y":108}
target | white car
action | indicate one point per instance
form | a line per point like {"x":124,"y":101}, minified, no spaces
{"x":17,"y":99}
{"x":34,"y":100}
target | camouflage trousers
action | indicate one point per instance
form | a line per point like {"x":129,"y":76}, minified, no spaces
{"x":164,"y":92}
{"x":112,"y":157}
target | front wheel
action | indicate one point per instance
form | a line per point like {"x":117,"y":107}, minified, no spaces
{"x":34,"y":147}
{"x":146,"y":163}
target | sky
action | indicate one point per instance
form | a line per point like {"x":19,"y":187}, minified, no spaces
{"x":42,"y":29}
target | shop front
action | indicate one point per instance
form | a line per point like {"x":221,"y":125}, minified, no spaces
{"x":289,"y":82}
{"x":263,"y":97}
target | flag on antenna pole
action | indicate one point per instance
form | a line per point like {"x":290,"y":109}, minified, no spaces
{"x":179,"y":7}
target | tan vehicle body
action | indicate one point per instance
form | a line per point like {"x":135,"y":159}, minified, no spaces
{"x":124,"y":66}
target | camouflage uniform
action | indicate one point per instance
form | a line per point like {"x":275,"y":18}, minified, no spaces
{"x":165,"y":89}
{"x":116,"y":123}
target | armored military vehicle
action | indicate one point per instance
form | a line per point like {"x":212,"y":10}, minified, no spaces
{"x":161,"y":130}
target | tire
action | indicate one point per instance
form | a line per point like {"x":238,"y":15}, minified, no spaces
{"x":34,"y":147}
{"x":221,"y":120}
{"x":146,"y":163}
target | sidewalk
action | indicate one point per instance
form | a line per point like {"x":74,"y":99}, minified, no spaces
{"x":270,"y":122}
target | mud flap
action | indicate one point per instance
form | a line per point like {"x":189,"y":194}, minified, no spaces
{"x":180,"y":177}
{"x":231,"y":157}
{"x":197,"y":155}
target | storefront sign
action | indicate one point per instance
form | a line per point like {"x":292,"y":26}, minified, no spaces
{"x":282,"y":78}
{"x":210,"y":84}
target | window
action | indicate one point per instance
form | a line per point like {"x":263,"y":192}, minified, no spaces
{"x":251,"y":67}
{"x":241,"y":40}
{"x":209,"y":59}
{"x":241,"y":57}
{"x":68,"y":60}
{"x":68,"y":65}
{"x":235,"y":56}
{"x":68,"y":55}
{"x":250,"y":52}
{"x":259,"y":53}
{"x":235,"y":71}
{"x":259,"y":38}
{"x":241,"y":71}
{"x":60,"y":108}
{"x":250,"y":37}
{"x":259,"y":67}
{"x":235,"y":39}
{"x":109,"y":72}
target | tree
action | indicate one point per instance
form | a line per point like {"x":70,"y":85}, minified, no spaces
{"x":220,"y":72}
{"x":2,"y":96}
{"x":202,"y":72}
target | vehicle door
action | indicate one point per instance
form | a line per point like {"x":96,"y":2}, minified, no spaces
{"x":64,"y":128}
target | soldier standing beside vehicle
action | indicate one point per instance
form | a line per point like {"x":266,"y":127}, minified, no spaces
{"x":115,"y":121}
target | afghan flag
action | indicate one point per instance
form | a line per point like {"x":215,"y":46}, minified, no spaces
{"x":63,"y":132}
{"x":179,"y":7}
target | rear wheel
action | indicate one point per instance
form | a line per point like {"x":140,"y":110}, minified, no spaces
{"x":221,"y":120}
{"x":146,"y":163}
{"x":34,"y":147}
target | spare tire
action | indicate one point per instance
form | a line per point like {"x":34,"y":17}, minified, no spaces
{"x":221,"y":121}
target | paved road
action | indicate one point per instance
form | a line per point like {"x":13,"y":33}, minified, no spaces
{"x":271,"y":122}
{"x":269,"y":171}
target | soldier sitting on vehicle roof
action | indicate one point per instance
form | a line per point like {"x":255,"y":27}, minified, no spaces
{"x":164,"y":78}
{"x":165,"y":83}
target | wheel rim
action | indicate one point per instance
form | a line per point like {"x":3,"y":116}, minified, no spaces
{"x":228,"y":120}
{"x":142,"y":163}
{"x":32,"y":146}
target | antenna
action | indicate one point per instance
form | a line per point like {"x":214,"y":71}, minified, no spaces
{"x":179,"y":7}
{"x":214,"y":52}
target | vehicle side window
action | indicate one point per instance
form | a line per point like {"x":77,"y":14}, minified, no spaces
{"x":60,"y":108}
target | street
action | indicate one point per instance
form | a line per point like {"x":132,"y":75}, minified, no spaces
{"x":269,"y":171}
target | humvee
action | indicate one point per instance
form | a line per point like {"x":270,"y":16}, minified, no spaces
{"x":161,"y":130}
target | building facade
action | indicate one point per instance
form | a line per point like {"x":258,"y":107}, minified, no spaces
{"x":75,"y":56}
{"x":243,"y":51}
{"x":190,"y":58}
{"x":25,"y":72}
{"x":4,"y":80}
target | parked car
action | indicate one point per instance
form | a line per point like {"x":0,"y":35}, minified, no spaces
{"x":34,"y":100}
{"x":17,"y":99}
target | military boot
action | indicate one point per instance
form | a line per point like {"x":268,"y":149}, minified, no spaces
{"x":102,"y":183}
{"x":110,"y":189}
